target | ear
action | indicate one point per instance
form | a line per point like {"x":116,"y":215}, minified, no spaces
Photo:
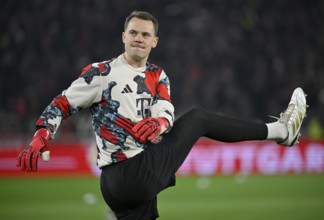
{"x":155,"y":42}
{"x":123,"y":37}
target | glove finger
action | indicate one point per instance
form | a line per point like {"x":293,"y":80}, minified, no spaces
{"x":22,"y":160}
{"x":18,"y":160}
{"x":147,"y":133}
{"x":34,"y":162}
{"x":144,"y":129}
{"x":34,"y":158}
{"x":138,"y":125}
{"x":141,"y":123}
{"x":28,"y":161}
{"x":142,"y":139}
{"x":154,"y":134}
{"x":23,"y":164}
{"x":31,"y":157}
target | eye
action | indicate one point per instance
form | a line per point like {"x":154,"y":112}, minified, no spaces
{"x":133,"y":33}
{"x":146,"y":34}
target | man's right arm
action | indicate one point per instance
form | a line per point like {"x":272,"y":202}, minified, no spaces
{"x":82,"y":93}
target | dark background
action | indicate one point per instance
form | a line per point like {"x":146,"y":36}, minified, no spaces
{"x":239,"y":58}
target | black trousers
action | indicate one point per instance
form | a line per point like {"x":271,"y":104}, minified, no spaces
{"x":130,"y":187}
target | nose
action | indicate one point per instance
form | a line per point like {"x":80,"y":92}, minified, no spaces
{"x":139,"y":38}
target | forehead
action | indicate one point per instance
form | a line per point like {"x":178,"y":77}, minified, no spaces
{"x":140,"y":25}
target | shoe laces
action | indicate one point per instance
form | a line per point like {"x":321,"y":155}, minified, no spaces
{"x":285,"y":116}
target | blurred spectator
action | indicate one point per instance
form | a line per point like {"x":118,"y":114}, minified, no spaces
{"x":241,"y":58}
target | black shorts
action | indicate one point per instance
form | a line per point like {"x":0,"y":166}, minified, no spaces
{"x":130,"y":187}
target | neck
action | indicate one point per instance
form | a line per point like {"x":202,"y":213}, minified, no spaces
{"x":133,"y":62}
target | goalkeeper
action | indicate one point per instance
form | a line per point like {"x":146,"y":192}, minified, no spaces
{"x":140,"y":146}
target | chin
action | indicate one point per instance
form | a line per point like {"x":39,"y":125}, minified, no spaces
{"x":138,"y":57}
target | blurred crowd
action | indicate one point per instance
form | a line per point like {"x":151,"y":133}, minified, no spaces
{"x":241,"y":58}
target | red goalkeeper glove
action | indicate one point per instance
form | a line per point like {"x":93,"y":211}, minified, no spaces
{"x":150,"y":128}
{"x":27,"y":159}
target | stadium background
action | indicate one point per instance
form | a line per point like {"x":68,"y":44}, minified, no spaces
{"x":238,"y":58}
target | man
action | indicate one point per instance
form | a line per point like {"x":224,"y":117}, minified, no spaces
{"x":140,"y":147}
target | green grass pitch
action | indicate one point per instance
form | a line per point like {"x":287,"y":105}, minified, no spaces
{"x":292,"y":197}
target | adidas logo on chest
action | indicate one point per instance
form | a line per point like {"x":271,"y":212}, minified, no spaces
{"x":127,"y":89}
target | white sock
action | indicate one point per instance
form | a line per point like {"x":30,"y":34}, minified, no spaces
{"x":277,"y":131}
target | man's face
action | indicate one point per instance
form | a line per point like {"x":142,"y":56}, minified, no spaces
{"x":139,"y":39}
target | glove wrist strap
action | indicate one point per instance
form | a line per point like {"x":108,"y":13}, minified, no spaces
{"x":43,"y":133}
{"x":164,"y":124}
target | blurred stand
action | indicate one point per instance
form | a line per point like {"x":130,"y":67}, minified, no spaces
{"x":239,"y":58}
